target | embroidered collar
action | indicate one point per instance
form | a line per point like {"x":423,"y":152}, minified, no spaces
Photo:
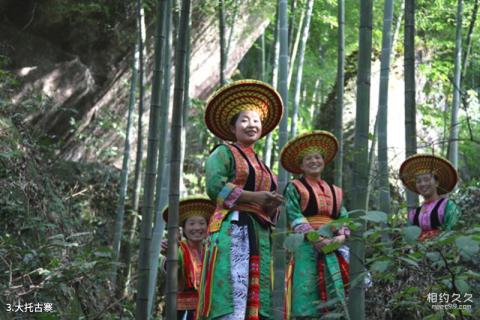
{"x":194,"y":248}
{"x":430,"y":201}
{"x":246,"y":149}
{"x":318,"y":181}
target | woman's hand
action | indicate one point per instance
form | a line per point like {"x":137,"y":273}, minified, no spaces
{"x":164,"y":243}
{"x":340,"y":239}
{"x":303,"y":228}
{"x":273,"y":201}
{"x":266,"y":199}
{"x":269,"y":200}
{"x":344,"y":231}
{"x":322,"y":242}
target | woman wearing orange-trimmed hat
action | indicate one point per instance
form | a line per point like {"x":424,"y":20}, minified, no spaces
{"x":236,"y":282}
{"x":431,"y":177}
{"x":314,"y":275}
{"x":194,"y":214}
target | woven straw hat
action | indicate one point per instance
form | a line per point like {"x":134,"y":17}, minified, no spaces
{"x":317,"y":141}
{"x":238,"y":96}
{"x":195,"y":206}
{"x":426,"y":163}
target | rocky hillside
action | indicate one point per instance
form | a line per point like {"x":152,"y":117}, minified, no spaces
{"x":74,"y":57}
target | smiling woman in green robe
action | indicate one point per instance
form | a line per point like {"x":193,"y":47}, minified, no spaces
{"x":316,"y":275}
{"x":236,"y":281}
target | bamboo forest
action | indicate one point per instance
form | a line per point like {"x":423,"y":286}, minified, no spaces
{"x":229,"y":159}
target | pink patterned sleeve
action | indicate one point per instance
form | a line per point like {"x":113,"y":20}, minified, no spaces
{"x":232,"y":197}
{"x":302,"y":228}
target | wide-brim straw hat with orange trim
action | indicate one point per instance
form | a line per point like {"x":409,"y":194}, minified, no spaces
{"x":239,"y":96}
{"x":417,"y":164}
{"x":190,"y":207}
{"x":317,"y":141}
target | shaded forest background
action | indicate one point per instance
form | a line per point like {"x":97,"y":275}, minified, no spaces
{"x":65,"y":86}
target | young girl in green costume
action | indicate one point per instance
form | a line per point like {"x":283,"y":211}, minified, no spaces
{"x":236,"y":281}
{"x":314,"y":275}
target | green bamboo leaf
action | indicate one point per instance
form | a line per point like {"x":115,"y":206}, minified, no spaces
{"x":293,"y":241}
{"x":433,"y":256}
{"x":473,"y":274}
{"x":380,"y":266}
{"x":56,"y":237}
{"x":371,"y":233}
{"x":375,"y":216}
{"x":356,"y":213}
{"x":103,"y":253}
{"x":435,"y":316}
{"x":411,"y":233}
{"x":342,"y":221}
{"x":327,"y":304}
{"x":65,"y":244}
{"x":44,"y":272}
{"x":312,"y":236}
{"x":325,"y":231}
{"x":409,"y":261}
{"x":79,"y":234}
{"x":46,"y":316}
{"x":331,"y":247}
{"x":333,"y":315}
{"x":89,"y":265}
{"x":467,"y":246}
{"x":462,"y":286}
{"x":359,"y":279}
{"x":411,"y":290}
{"x":417,"y":255}
{"x":446,"y":238}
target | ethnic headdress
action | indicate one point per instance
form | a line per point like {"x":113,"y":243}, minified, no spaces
{"x":322,"y":142}
{"x":239,"y":96}
{"x":426,"y":163}
{"x":195,"y":206}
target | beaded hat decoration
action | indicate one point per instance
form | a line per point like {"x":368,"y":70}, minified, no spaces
{"x":239,"y":96}
{"x":426,"y":163}
{"x":190,"y":207}
{"x":322,"y":142}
